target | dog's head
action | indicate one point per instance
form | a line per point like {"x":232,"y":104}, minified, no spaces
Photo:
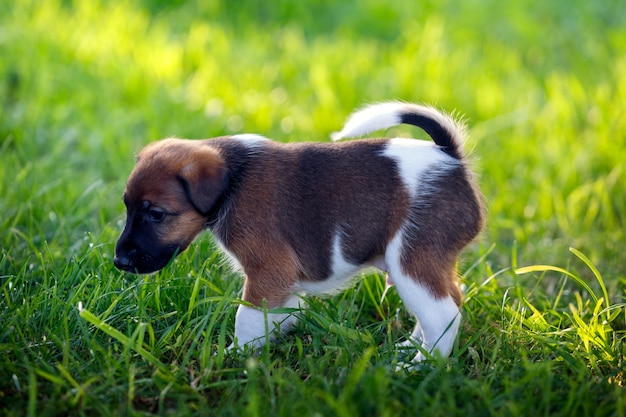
{"x":173,"y":187}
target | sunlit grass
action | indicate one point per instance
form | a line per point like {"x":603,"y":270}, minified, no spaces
{"x":84,"y":85}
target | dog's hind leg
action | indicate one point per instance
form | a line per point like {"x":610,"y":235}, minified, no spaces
{"x":438,"y":319}
{"x":436,"y":309}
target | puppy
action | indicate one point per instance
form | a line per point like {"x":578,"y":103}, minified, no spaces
{"x":305,"y":217}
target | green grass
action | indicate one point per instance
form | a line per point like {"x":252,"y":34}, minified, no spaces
{"x":84,"y":85}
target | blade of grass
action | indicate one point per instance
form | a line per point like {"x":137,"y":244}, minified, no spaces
{"x":120,"y":337}
{"x":546,"y":268}
{"x":593,"y":269}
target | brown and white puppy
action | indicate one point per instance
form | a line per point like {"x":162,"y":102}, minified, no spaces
{"x":305,"y":217}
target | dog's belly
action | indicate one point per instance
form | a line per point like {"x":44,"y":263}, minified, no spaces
{"x":341,"y":275}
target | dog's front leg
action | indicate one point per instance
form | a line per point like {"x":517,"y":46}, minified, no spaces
{"x":256,"y":326}
{"x":267,"y":286}
{"x":250,"y":327}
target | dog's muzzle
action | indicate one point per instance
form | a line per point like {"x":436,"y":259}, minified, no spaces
{"x":138,"y":261}
{"x":123,"y":262}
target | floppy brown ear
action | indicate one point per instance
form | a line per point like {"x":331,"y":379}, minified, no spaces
{"x":205,"y":177}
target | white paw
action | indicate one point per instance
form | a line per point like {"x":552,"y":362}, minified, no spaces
{"x":413,"y":366}
{"x":407,"y":367}
{"x":407,"y":348}
{"x":408,"y":344}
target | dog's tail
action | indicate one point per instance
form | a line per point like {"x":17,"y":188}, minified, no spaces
{"x":444,"y":131}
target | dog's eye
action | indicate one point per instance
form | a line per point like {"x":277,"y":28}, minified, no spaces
{"x":155,"y":215}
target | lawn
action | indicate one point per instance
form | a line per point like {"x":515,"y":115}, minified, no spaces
{"x":84,"y":85}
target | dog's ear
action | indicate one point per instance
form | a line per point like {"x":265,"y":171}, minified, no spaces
{"x":205,"y":177}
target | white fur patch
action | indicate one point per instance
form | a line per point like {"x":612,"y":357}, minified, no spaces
{"x":370,"y":118}
{"x":414,"y":158}
{"x":250,"y":138}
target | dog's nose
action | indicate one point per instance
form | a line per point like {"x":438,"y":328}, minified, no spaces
{"x":123,"y":262}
